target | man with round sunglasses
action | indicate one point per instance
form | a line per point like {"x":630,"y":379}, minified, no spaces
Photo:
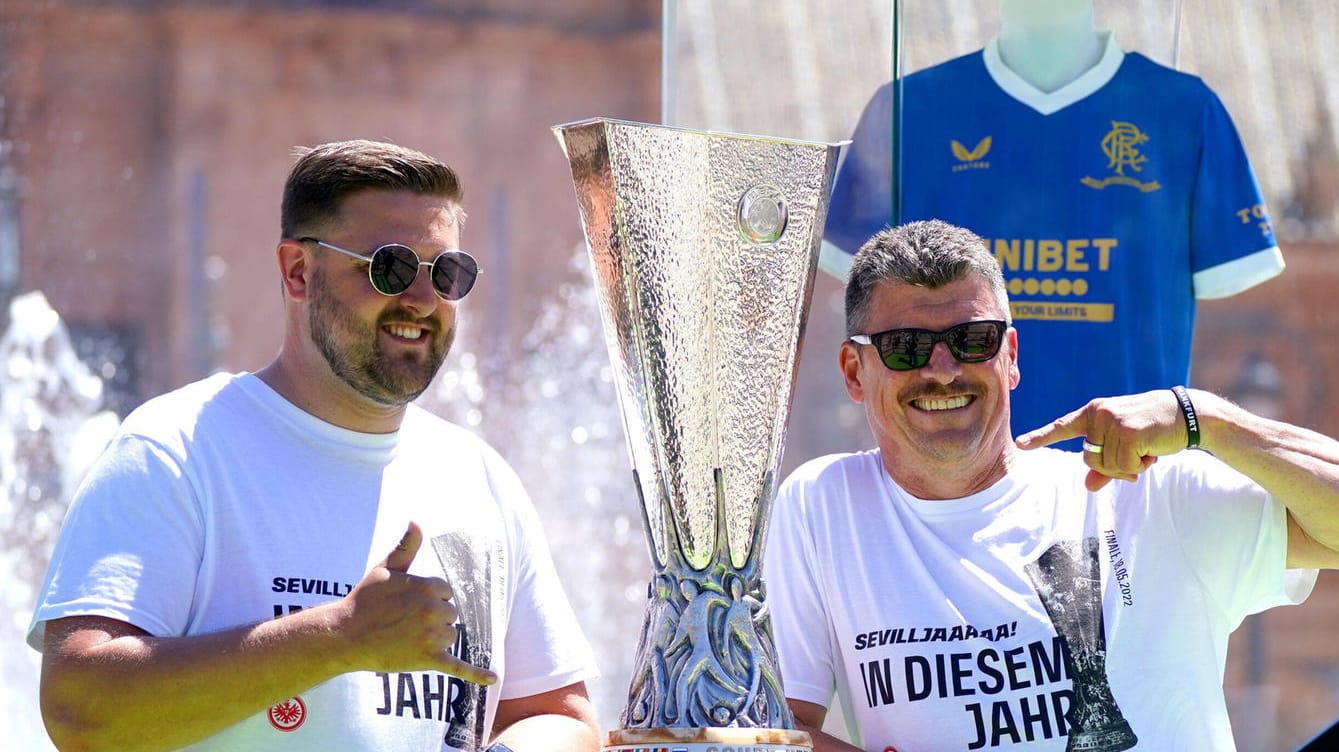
{"x":957,"y":589}
{"x":299,"y":558}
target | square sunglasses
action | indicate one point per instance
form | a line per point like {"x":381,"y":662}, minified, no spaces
{"x":910,"y":349}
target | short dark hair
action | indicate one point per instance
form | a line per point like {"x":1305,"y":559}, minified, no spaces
{"x":929,"y":253}
{"x":325,"y":175}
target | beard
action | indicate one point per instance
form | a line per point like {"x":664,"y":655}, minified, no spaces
{"x":352,"y":349}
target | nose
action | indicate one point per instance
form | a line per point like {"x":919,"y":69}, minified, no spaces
{"x":420,"y":297}
{"x":943,"y":367}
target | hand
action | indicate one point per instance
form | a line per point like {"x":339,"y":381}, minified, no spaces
{"x":401,"y":622}
{"x":1132,"y":432}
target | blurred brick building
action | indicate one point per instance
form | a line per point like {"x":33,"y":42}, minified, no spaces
{"x":1268,"y":349}
{"x":146,"y":145}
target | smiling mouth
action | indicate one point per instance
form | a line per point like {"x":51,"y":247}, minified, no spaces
{"x":937,"y":404}
{"x":405,"y":332}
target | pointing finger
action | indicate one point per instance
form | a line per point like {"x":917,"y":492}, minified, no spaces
{"x":1067,"y":426}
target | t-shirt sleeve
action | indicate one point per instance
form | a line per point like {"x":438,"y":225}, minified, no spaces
{"x":545,"y":646}
{"x":130,"y":546}
{"x":1235,"y":536}
{"x":799,"y":620}
{"x":1232,"y":241}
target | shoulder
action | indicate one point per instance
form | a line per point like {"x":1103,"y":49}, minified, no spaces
{"x":174,"y":417}
{"x":972,"y":63}
{"x":830,"y":475}
{"x":829,"y":466}
{"x":1195,"y":468}
{"x":441,"y":437}
{"x":184,"y":402}
{"x":433,"y":439}
{"x":420,"y":421}
{"x":1164,"y":84}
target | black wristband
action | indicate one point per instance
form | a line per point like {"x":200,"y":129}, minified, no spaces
{"x":1188,"y":412}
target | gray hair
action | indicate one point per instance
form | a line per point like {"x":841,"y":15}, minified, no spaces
{"x":929,"y":253}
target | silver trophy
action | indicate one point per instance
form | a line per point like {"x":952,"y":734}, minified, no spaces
{"x":703,"y":247}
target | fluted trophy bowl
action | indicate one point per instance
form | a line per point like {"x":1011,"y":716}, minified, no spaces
{"x":703,"y":248}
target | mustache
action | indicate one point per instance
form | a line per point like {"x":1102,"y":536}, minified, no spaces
{"x":942,"y":391}
{"x":428,"y":323}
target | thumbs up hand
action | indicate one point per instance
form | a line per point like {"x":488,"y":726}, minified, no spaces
{"x":395,"y":621}
{"x":400,"y":557}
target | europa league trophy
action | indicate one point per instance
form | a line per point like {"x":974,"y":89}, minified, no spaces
{"x":703,"y":247}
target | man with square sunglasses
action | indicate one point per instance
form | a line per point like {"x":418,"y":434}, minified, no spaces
{"x":960,"y":589}
{"x":299,"y":558}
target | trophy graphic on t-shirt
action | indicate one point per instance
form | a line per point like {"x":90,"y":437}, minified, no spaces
{"x":1068,"y":579}
{"x":467,"y":560}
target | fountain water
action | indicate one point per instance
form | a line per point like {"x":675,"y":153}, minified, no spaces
{"x":51,"y":428}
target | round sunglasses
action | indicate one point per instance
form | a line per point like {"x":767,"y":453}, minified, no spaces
{"x":909,"y":349}
{"x":393,"y":267}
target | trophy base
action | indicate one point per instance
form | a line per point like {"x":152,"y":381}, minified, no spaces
{"x":1118,"y":736}
{"x":707,"y":740}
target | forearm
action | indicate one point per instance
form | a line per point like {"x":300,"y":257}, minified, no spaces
{"x":108,"y":685}
{"x":551,"y":733}
{"x":809,"y":718}
{"x":1299,"y":467}
{"x":132,"y":692}
{"x":562,"y":720}
{"x":824,"y":742}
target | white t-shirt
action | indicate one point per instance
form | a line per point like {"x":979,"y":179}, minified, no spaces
{"x":1028,"y":613}
{"x":222,"y":504}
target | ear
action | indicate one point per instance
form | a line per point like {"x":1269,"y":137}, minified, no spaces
{"x":848,"y":359}
{"x":1015,"y":375}
{"x":293,"y":268}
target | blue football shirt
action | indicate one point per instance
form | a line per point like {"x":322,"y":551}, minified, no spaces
{"x":1111,"y":205}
